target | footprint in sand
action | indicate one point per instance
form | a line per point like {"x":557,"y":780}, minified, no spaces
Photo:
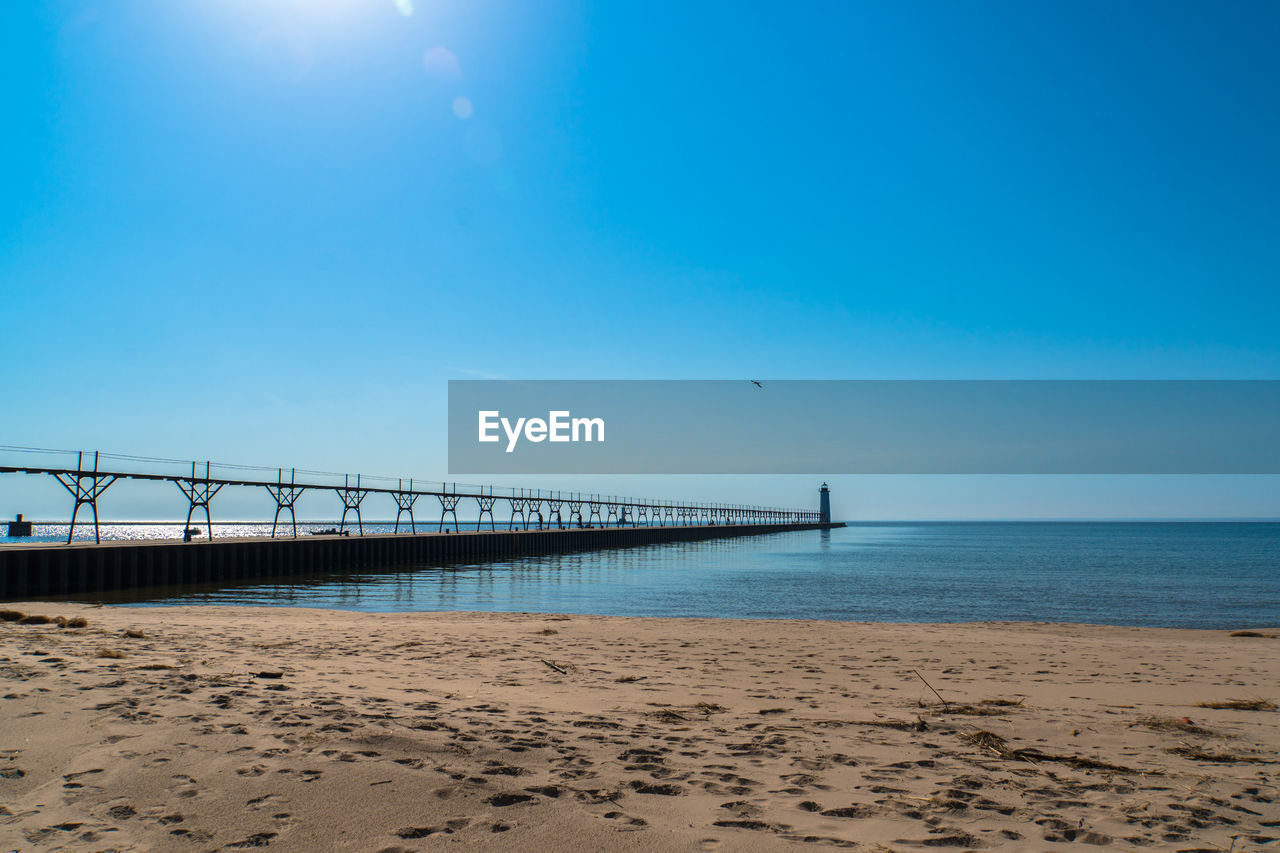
{"x":662,"y":790}
{"x":627,"y":820}
{"x":552,"y":791}
{"x":258,"y":839}
{"x":262,"y":802}
{"x":742,"y":808}
{"x":509,"y":799}
{"x":191,"y":834}
{"x":449,"y":827}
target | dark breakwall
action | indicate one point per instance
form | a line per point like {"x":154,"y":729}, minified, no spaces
{"x":32,"y":571}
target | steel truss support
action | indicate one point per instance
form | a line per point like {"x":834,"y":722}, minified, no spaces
{"x":530,"y":509}
{"x":575,"y":511}
{"x":74,"y":482}
{"x":486,"y":508}
{"x":449,"y":506}
{"x":286,"y":495}
{"x":518,"y":508}
{"x":611,"y":515}
{"x":199,"y":492}
{"x":595,"y":513}
{"x":553,"y":509}
{"x":404,"y":503}
{"x":351,"y":499}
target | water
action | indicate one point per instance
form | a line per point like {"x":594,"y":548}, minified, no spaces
{"x":1195,"y":575}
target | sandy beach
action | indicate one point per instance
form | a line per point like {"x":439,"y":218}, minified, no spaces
{"x":206,"y":728}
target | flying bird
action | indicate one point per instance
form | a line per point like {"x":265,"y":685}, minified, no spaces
{"x":756,"y":383}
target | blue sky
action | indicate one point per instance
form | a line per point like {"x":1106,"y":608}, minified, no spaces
{"x":269,"y":231}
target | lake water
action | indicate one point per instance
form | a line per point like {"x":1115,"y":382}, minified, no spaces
{"x":1203,"y":575}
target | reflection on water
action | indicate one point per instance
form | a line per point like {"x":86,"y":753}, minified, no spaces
{"x":1134,"y":574}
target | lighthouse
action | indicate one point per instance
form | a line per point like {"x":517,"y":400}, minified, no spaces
{"x":824,"y":503}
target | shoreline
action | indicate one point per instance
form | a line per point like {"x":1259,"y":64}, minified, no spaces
{"x":405,"y":731}
{"x":102,"y":600}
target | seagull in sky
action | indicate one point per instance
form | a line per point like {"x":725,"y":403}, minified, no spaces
{"x":756,"y":383}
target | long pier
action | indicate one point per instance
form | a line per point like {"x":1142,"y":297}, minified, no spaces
{"x":573,"y":521}
{"x":42,"y":569}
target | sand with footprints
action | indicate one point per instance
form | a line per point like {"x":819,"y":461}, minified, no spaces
{"x":221,"y":728}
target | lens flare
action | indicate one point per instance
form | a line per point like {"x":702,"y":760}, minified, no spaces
{"x":462,"y":107}
{"x":441,"y":63}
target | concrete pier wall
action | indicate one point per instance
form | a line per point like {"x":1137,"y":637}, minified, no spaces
{"x":33,"y":570}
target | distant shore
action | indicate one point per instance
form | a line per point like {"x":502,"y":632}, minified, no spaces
{"x":308,"y":730}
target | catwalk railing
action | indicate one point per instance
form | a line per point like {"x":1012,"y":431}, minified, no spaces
{"x":199,"y":482}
